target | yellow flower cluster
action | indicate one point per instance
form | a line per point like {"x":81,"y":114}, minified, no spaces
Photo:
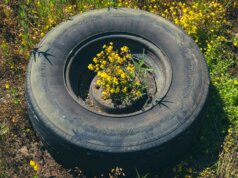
{"x":197,"y":16}
{"x":201,"y":20}
{"x":70,"y":9}
{"x":34,"y":165}
{"x":118,"y":79}
{"x":127,"y":4}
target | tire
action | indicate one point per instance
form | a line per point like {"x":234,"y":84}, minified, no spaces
{"x":76,"y":135}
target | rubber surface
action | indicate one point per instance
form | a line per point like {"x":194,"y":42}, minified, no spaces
{"x":76,"y":136}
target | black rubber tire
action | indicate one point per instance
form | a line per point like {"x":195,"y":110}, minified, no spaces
{"x":77,"y":136}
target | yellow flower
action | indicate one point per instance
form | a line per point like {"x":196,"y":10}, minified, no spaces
{"x":35,"y":167}
{"x":124,"y":49}
{"x":138,"y":94}
{"x":115,"y":80}
{"x":123,"y":75}
{"x":95,"y":60}
{"x":99,"y":54}
{"x":124,"y":89}
{"x":7,"y":86}
{"x":104,"y":93}
{"x":104,"y":75}
{"x":109,"y":78}
{"x":104,"y":62}
{"x":119,"y":71}
{"x":130,"y":68}
{"x":112,"y":90}
{"x":110,"y":59}
{"x":119,"y":60}
{"x":90,"y":67}
{"x":109,"y":49}
{"x":32,"y":163}
{"x":98,"y":82}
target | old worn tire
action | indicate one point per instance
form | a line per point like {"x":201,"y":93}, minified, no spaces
{"x":77,"y":136}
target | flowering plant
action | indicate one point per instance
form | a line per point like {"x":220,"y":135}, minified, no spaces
{"x":120,"y":75}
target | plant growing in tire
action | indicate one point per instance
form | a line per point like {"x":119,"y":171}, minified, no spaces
{"x":121,"y":80}
{"x":85,"y":118}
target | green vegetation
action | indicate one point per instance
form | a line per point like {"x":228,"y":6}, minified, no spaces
{"x":212,"y":24}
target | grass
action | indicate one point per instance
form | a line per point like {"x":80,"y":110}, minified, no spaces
{"x":212,"y":24}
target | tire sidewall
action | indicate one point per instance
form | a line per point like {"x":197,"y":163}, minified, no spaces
{"x":60,"y":113}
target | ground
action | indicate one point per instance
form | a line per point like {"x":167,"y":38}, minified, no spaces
{"x":212,"y":24}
